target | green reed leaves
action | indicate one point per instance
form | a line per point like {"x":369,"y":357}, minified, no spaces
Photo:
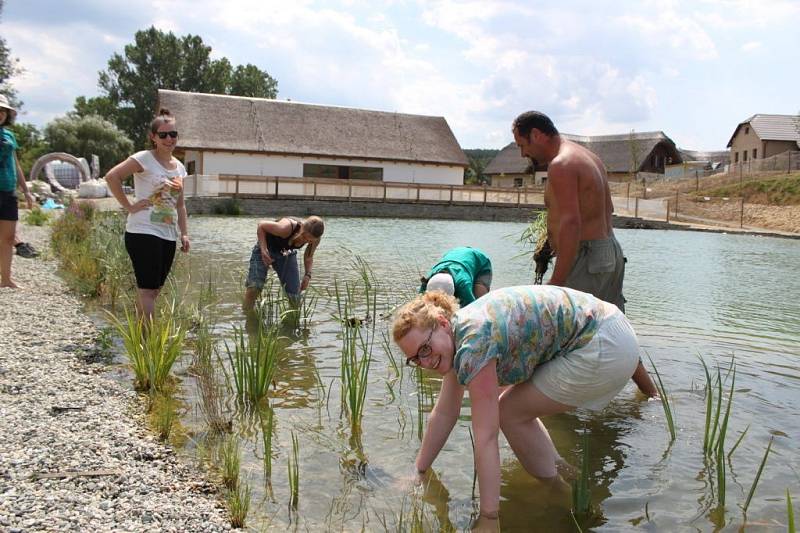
{"x":665,"y":403}
{"x":252,"y":363}
{"x":152,"y":347}
{"x":294,"y":473}
{"x":758,"y":476}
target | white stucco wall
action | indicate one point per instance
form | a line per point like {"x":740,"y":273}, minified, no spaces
{"x":292,"y":167}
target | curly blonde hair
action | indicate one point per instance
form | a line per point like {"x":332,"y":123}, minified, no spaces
{"x":423,"y":311}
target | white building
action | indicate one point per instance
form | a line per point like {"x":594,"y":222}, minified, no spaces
{"x":232,"y":135}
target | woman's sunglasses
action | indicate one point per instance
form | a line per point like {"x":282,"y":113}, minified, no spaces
{"x":163,"y":134}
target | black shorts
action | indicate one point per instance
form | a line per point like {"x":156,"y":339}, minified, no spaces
{"x":151,"y":257}
{"x":8,"y":206}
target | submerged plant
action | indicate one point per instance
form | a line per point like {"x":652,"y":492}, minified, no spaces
{"x":294,"y":473}
{"x":267,"y":419}
{"x":581,"y":492}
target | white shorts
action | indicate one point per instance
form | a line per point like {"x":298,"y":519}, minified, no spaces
{"x":591,"y":376}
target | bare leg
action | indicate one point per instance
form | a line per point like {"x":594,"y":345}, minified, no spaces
{"x":251,"y":294}
{"x":147,"y":302}
{"x":520,"y":409}
{"x":7,"y":231}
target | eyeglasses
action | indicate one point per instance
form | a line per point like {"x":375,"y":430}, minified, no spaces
{"x":423,"y":352}
{"x":163,"y":134}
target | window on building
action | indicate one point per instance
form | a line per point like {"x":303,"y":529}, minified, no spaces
{"x":313,"y":170}
{"x":744,"y":156}
{"x":746,"y":130}
{"x":735,"y":157}
{"x":190,"y":167}
{"x":517,"y":182}
{"x":755,"y":153}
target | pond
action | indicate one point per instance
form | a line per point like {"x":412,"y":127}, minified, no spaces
{"x":725,"y":298}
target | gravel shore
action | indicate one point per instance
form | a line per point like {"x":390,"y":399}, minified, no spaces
{"x":60,"y":411}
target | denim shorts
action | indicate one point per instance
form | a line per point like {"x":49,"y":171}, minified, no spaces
{"x":285,"y":266}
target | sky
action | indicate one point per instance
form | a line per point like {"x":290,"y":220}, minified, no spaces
{"x":692,"y":69}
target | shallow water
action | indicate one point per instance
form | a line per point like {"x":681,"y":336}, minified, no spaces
{"x":689,"y":294}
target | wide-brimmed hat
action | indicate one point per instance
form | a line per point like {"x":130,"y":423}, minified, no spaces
{"x":4,"y":104}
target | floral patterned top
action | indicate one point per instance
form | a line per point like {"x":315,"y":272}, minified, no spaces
{"x":522,"y":327}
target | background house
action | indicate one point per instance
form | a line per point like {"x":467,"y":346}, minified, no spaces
{"x":230,"y":135}
{"x":763,"y":136}
{"x":646,"y":152}
{"x":704,"y":163}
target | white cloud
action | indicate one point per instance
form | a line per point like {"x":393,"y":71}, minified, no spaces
{"x":751,"y":46}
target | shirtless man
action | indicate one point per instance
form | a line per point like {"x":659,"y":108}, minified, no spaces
{"x":579,"y":208}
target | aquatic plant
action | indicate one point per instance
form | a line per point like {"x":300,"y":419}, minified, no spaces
{"x":267,"y":419}
{"x":758,"y":476}
{"x":789,"y":513}
{"x":230,"y":459}
{"x":151,"y":346}
{"x":358,"y":338}
{"x":581,"y":492}
{"x":294,"y":473}
{"x":238,"y":503}
{"x":665,"y":403}
{"x":163,"y":415}
{"x":252,"y":363}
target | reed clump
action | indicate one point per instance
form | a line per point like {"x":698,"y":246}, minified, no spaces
{"x":252,"y":362}
{"x":152,"y":346}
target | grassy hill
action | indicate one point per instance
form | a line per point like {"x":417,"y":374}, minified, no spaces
{"x":784,"y":190}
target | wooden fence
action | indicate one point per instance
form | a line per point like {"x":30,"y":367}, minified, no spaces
{"x":359,"y":190}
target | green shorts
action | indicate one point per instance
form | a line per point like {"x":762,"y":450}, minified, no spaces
{"x":599,"y":269}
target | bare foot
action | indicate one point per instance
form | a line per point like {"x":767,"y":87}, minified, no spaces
{"x":11,"y":285}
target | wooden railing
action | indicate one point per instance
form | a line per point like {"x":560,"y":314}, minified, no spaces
{"x":242,"y":186}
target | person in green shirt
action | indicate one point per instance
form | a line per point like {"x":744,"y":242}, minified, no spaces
{"x":463,"y":272}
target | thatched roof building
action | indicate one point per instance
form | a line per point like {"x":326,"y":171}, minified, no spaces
{"x":650,"y":150}
{"x":309,"y":133}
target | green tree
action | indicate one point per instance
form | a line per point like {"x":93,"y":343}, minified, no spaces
{"x":31,"y":145}
{"x":163,"y":60}
{"x":100,"y":106}
{"x":84,"y":136}
{"x":478,"y":159}
{"x":9,"y":67}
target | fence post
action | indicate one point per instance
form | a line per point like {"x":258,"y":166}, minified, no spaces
{"x":741,"y":215}
{"x":236,"y":194}
{"x":349,"y":190}
{"x":676,"y":204}
{"x":277,"y":180}
{"x":384,"y":191}
{"x":451,"y":195}
{"x":628,"y":197}
{"x":519,"y":197}
{"x":668,"y":210}
{"x":417,"y":192}
{"x":644,"y":188}
{"x":697,"y":181}
{"x":636,"y":211}
{"x":315,"y":189}
{"x":197,"y":178}
{"x":484,"y":194}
